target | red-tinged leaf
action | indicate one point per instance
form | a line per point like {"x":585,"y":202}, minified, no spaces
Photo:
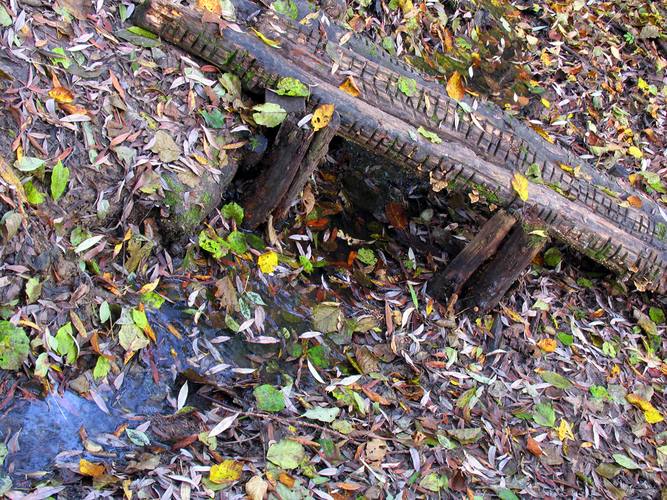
{"x":396,"y":215}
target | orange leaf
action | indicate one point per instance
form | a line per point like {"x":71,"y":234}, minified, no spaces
{"x":635,"y":201}
{"x":534,"y":447}
{"x":61,"y":95}
{"x":349,"y":86}
{"x":547,"y":345}
{"x":455,"y":88}
{"x":91,"y":469}
{"x":286,"y":479}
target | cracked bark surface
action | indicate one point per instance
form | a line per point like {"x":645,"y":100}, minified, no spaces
{"x":484,"y":147}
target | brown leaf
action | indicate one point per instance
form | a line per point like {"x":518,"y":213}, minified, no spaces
{"x":396,"y":215}
{"x":455,"y":88}
{"x":534,"y":447}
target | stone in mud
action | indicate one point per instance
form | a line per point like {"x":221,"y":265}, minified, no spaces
{"x":189,"y":199}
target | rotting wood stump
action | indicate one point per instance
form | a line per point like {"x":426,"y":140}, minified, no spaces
{"x":579,"y":205}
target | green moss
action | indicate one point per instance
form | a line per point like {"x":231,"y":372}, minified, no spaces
{"x":661,"y":231}
{"x":486,"y":193}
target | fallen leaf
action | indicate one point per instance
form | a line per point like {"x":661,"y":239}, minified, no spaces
{"x":256,"y":488}
{"x":565,"y":430}
{"x":268,"y":41}
{"x":396,"y":215}
{"x":534,"y":447}
{"x":91,"y":469}
{"x":268,"y":262}
{"x":651,"y":414}
{"x":455,"y":88}
{"x":547,"y":345}
{"x":269,"y":114}
{"x":625,"y":461}
{"x":520,"y":185}
{"x":322,"y":116}
{"x":431,"y":136}
{"x":225,"y":472}
{"x":349,"y":86}
{"x":269,"y":398}
{"x":635,"y":152}
{"x":634,"y":201}
{"x":61,"y":95}
{"x":322,"y":414}
{"x":212,"y":6}
{"x":165,"y":147}
{"x":286,"y":453}
{"x":376,"y":450}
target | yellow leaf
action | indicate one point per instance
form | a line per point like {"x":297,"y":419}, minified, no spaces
{"x":635,"y":151}
{"x":543,"y":133}
{"x":547,"y":345}
{"x":545,"y":103}
{"x":405,"y":5}
{"x":520,"y":185}
{"x":268,"y":41}
{"x":227,"y":471}
{"x":91,"y":469}
{"x":149,"y":287}
{"x":651,"y":414}
{"x":455,"y":88}
{"x":565,"y":430}
{"x":349,"y":86}
{"x":268,"y":262}
{"x":322,"y":116}
{"x":61,"y":95}
{"x":212,"y":6}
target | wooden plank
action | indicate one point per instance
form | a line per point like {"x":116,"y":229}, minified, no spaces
{"x":484,"y":245}
{"x":516,"y":254}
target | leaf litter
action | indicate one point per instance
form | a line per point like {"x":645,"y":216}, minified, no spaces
{"x":347,"y":377}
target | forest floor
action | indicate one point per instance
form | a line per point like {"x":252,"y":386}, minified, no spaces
{"x":311,"y":361}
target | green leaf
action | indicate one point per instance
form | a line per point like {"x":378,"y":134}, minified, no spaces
{"x":286,"y":8}
{"x":214,"y":118}
{"x":42,"y":365}
{"x":367,"y":256}
{"x":657,"y":315}
{"x":553,"y":257}
{"x":599,"y":392}
{"x":322,"y":414}
{"x":434,"y":482}
{"x":142,"y":32}
{"x":5,"y":18}
{"x":32,"y":194}
{"x":292,"y":87}
{"x":152,"y":299}
{"x":140,"y":319}
{"x":233,"y":211}
{"x":64,"y":61}
{"x":534,"y":173}
{"x":236,"y":242}
{"x":269,"y":398}
{"x":105,"y":312}
{"x":544,"y":415}
{"x":132,"y":338}
{"x":556,"y":379}
{"x":318,"y":356}
{"x":342,"y":426}
{"x":286,"y":454}
{"x":654,"y":181}
{"x":507,"y":494}
{"x":102,"y":367}
{"x":59,"y":178}
{"x":407,"y":85}
{"x":268,"y":114}
{"x":431,"y":136}
{"x":28,"y":164}
{"x":625,"y":461}
{"x":306,"y":264}
{"x":565,"y":338}
{"x":214,"y":245}
{"x":65,"y":344}
{"x":14,"y":346}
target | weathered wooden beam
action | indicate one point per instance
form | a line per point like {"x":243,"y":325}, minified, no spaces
{"x":483,"y":148}
{"x":317,"y":150}
{"x":279,"y":168}
{"x":482,"y":247}
{"x":493,"y":282}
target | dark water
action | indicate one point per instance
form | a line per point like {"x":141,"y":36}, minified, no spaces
{"x":44,"y":433}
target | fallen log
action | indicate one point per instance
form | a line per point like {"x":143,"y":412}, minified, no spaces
{"x":485,"y":147}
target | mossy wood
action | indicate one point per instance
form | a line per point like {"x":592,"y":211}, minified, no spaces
{"x":578,"y":204}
